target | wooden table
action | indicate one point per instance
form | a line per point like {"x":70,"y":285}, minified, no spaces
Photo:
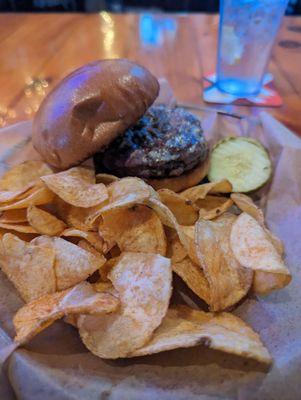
{"x":37,"y":50}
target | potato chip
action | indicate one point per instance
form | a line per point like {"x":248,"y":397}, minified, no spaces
{"x":190,"y":272}
{"x":175,"y":250}
{"x":185,"y":327}
{"x":143,"y":282}
{"x":80,"y":218}
{"x":106,"y":179}
{"x":101,"y":286}
{"x":136,"y":229}
{"x":14,"y":216}
{"x":277,"y":243}
{"x":228,"y":280}
{"x":44,"y":222}
{"x":128,"y":192}
{"x":188,"y":241}
{"x":77,"y":187}
{"x":201,"y":191}
{"x":213,"y":206}
{"x":42,"y":312}
{"x":107,"y":267}
{"x":193,"y":275}
{"x":168,"y":219}
{"x":183,"y":210}
{"x":24,"y":175}
{"x":92,"y":237}
{"x":28,"y":266}
{"x":36,"y":196}
{"x":87,"y":246}
{"x":13,"y":195}
{"x":18,"y":228}
{"x":253,"y":248}
{"x":246,"y":204}
{"x":72,"y":263}
{"x":16,"y":182}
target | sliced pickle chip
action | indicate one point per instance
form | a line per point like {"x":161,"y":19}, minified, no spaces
{"x":241,"y":160}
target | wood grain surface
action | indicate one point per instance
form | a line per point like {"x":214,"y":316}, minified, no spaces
{"x":37,"y":50}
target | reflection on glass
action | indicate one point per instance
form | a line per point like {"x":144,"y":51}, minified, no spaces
{"x":155,"y":29}
{"x":107,"y":28}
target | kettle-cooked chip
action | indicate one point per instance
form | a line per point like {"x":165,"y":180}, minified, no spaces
{"x":128,"y":192}
{"x":184,"y":211}
{"x":77,"y":187}
{"x":185,"y":327}
{"x":190,"y":272}
{"x":193,"y":275}
{"x":37,"y":195}
{"x":201,"y":191}
{"x":13,"y":195}
{"x":92,"y":237}
{"x":228,"y":280}
{"x":23,"y":228}
{"x":28,"y":266}
{"x":87,"y":246}
{"x":44,"y":222}
{"x":143,"y":282}
{"x":175,"y":250}
{"x":23,"y":176}
{"x":106,"y":179}
{"x":213,"y":206}
{"x":37,"y":315}
{"x":246,"y":204}
{"x":136,"y":229}
{"x":167,"y":218}
{"x":254,"y":249}
{"x":80,"y":218}
{"x":14,"y":216}
{"x":72,"y":263}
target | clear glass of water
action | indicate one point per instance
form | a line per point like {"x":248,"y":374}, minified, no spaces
{"x":247,"y":31}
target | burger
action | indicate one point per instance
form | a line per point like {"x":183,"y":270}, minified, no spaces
{"x":106,"y":110}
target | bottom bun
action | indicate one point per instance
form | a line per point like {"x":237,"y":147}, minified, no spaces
{"x":182,"y":182}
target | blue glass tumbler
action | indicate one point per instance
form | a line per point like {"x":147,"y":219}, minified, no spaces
{"x":247,"y":31}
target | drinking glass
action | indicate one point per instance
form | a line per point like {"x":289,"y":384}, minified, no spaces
{"x":247,"y":31}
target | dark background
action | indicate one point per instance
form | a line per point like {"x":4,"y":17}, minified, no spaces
{"x":294,"y":7}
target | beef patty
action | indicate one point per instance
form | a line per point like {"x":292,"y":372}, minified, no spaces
{"x":164,"y":143}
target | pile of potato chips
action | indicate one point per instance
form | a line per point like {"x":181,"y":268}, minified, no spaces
{"x":101,"y":252}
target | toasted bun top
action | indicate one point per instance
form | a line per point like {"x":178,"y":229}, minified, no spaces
{"x":89,"y":108}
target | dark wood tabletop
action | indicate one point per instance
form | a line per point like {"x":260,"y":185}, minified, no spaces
{"x":37,"y":50}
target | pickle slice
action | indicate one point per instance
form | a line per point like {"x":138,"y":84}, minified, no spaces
{"x":241,"y":160}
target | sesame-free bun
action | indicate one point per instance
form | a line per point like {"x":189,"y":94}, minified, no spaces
{"x":184,"y":181}
{"x":89,"y":108}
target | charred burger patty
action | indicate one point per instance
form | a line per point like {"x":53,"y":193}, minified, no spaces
{"x":165,"y":142}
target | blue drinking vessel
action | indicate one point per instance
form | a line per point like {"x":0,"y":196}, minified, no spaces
{"x":247,"y":31}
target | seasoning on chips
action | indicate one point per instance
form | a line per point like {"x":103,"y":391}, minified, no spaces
{"x":42,"y":312}
{"x":228,"y":280}
{"x":136,"y":229}
{"x":76,"y":186}
{"x":43,"y":222}
{"x":185,"y":327}
{"x":143,"y":282}
{"x":72,"y":263}
{"x":184,"y":211}
{"x":28,"y":266}
{"x":130,"y":238}
{"x":201,"y":191}
{"x":254,"y":249}
{"x":38,"y":195}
